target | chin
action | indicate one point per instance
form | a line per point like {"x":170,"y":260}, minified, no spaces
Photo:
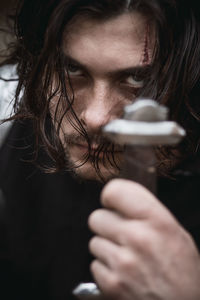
{"x":85,"y":170}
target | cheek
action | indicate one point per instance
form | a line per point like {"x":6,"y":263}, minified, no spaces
{"x":57,"y":109}
{"x":81,"y":100}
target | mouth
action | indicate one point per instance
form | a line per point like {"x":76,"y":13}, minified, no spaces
{"x":85,"y":146}
{"x":94,"y":149}
{"x":85,"y":149}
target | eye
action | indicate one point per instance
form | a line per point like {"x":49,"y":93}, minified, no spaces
{"x":74,"y":70}
{"x":134,"y":81}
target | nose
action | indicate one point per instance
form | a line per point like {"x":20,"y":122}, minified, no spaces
{"x":100,"y":107}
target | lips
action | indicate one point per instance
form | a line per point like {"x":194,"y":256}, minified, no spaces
{"x":95,"y":148}
{"x":85,"y":147}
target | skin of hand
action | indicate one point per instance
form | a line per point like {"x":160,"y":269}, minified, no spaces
{"x":141,"y":251}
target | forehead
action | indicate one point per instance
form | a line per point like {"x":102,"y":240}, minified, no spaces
{"x":120,"y":40}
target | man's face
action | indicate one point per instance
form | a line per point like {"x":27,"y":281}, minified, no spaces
{"x":102,"y":58}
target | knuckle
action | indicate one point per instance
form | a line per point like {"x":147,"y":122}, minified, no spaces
{"x":93,"y":218}
{"x":116,"y":288}
{"x":125,"y":261}
{"x":135,"y":235}
{"x":113,"y":283}
{"x":111,"y":190}
{"x":94,"y":265}
{"x":112,"y":287}
{"x":141,"y":239}
{"x":121,"y":236}
{"x":125,"y":233}
{"x":92,"y":244}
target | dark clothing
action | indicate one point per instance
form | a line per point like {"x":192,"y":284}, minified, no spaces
{"x":44,"y":233}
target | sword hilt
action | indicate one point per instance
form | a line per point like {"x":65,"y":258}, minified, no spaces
{"x":144,"y":126}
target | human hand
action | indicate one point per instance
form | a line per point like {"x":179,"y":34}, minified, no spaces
{"x":142,"y":252}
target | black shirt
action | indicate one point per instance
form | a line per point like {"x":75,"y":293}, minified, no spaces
{"x":44,"y":233}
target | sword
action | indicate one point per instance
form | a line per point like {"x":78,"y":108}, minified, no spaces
{"x":143,"y":127}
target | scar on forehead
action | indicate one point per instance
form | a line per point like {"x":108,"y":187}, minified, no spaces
{"x":145,"y":54}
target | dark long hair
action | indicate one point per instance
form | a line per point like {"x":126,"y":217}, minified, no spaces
{"x":175,"y":70}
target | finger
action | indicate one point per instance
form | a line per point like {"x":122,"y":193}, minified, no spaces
{"x":105,"y":278}
{"x":105,"y":251}
{"x":131,"y":200}
{"x":108,"y":225}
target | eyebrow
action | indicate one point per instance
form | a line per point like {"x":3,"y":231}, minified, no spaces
{"x":141,"y":70}
{"x":67,"y":59}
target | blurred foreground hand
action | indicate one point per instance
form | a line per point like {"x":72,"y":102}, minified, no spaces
{"x":141,"y":251}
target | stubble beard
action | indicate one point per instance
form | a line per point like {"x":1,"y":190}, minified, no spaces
{"x":91,"y":167}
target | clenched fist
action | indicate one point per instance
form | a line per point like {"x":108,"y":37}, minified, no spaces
{"x":142,"y":252}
